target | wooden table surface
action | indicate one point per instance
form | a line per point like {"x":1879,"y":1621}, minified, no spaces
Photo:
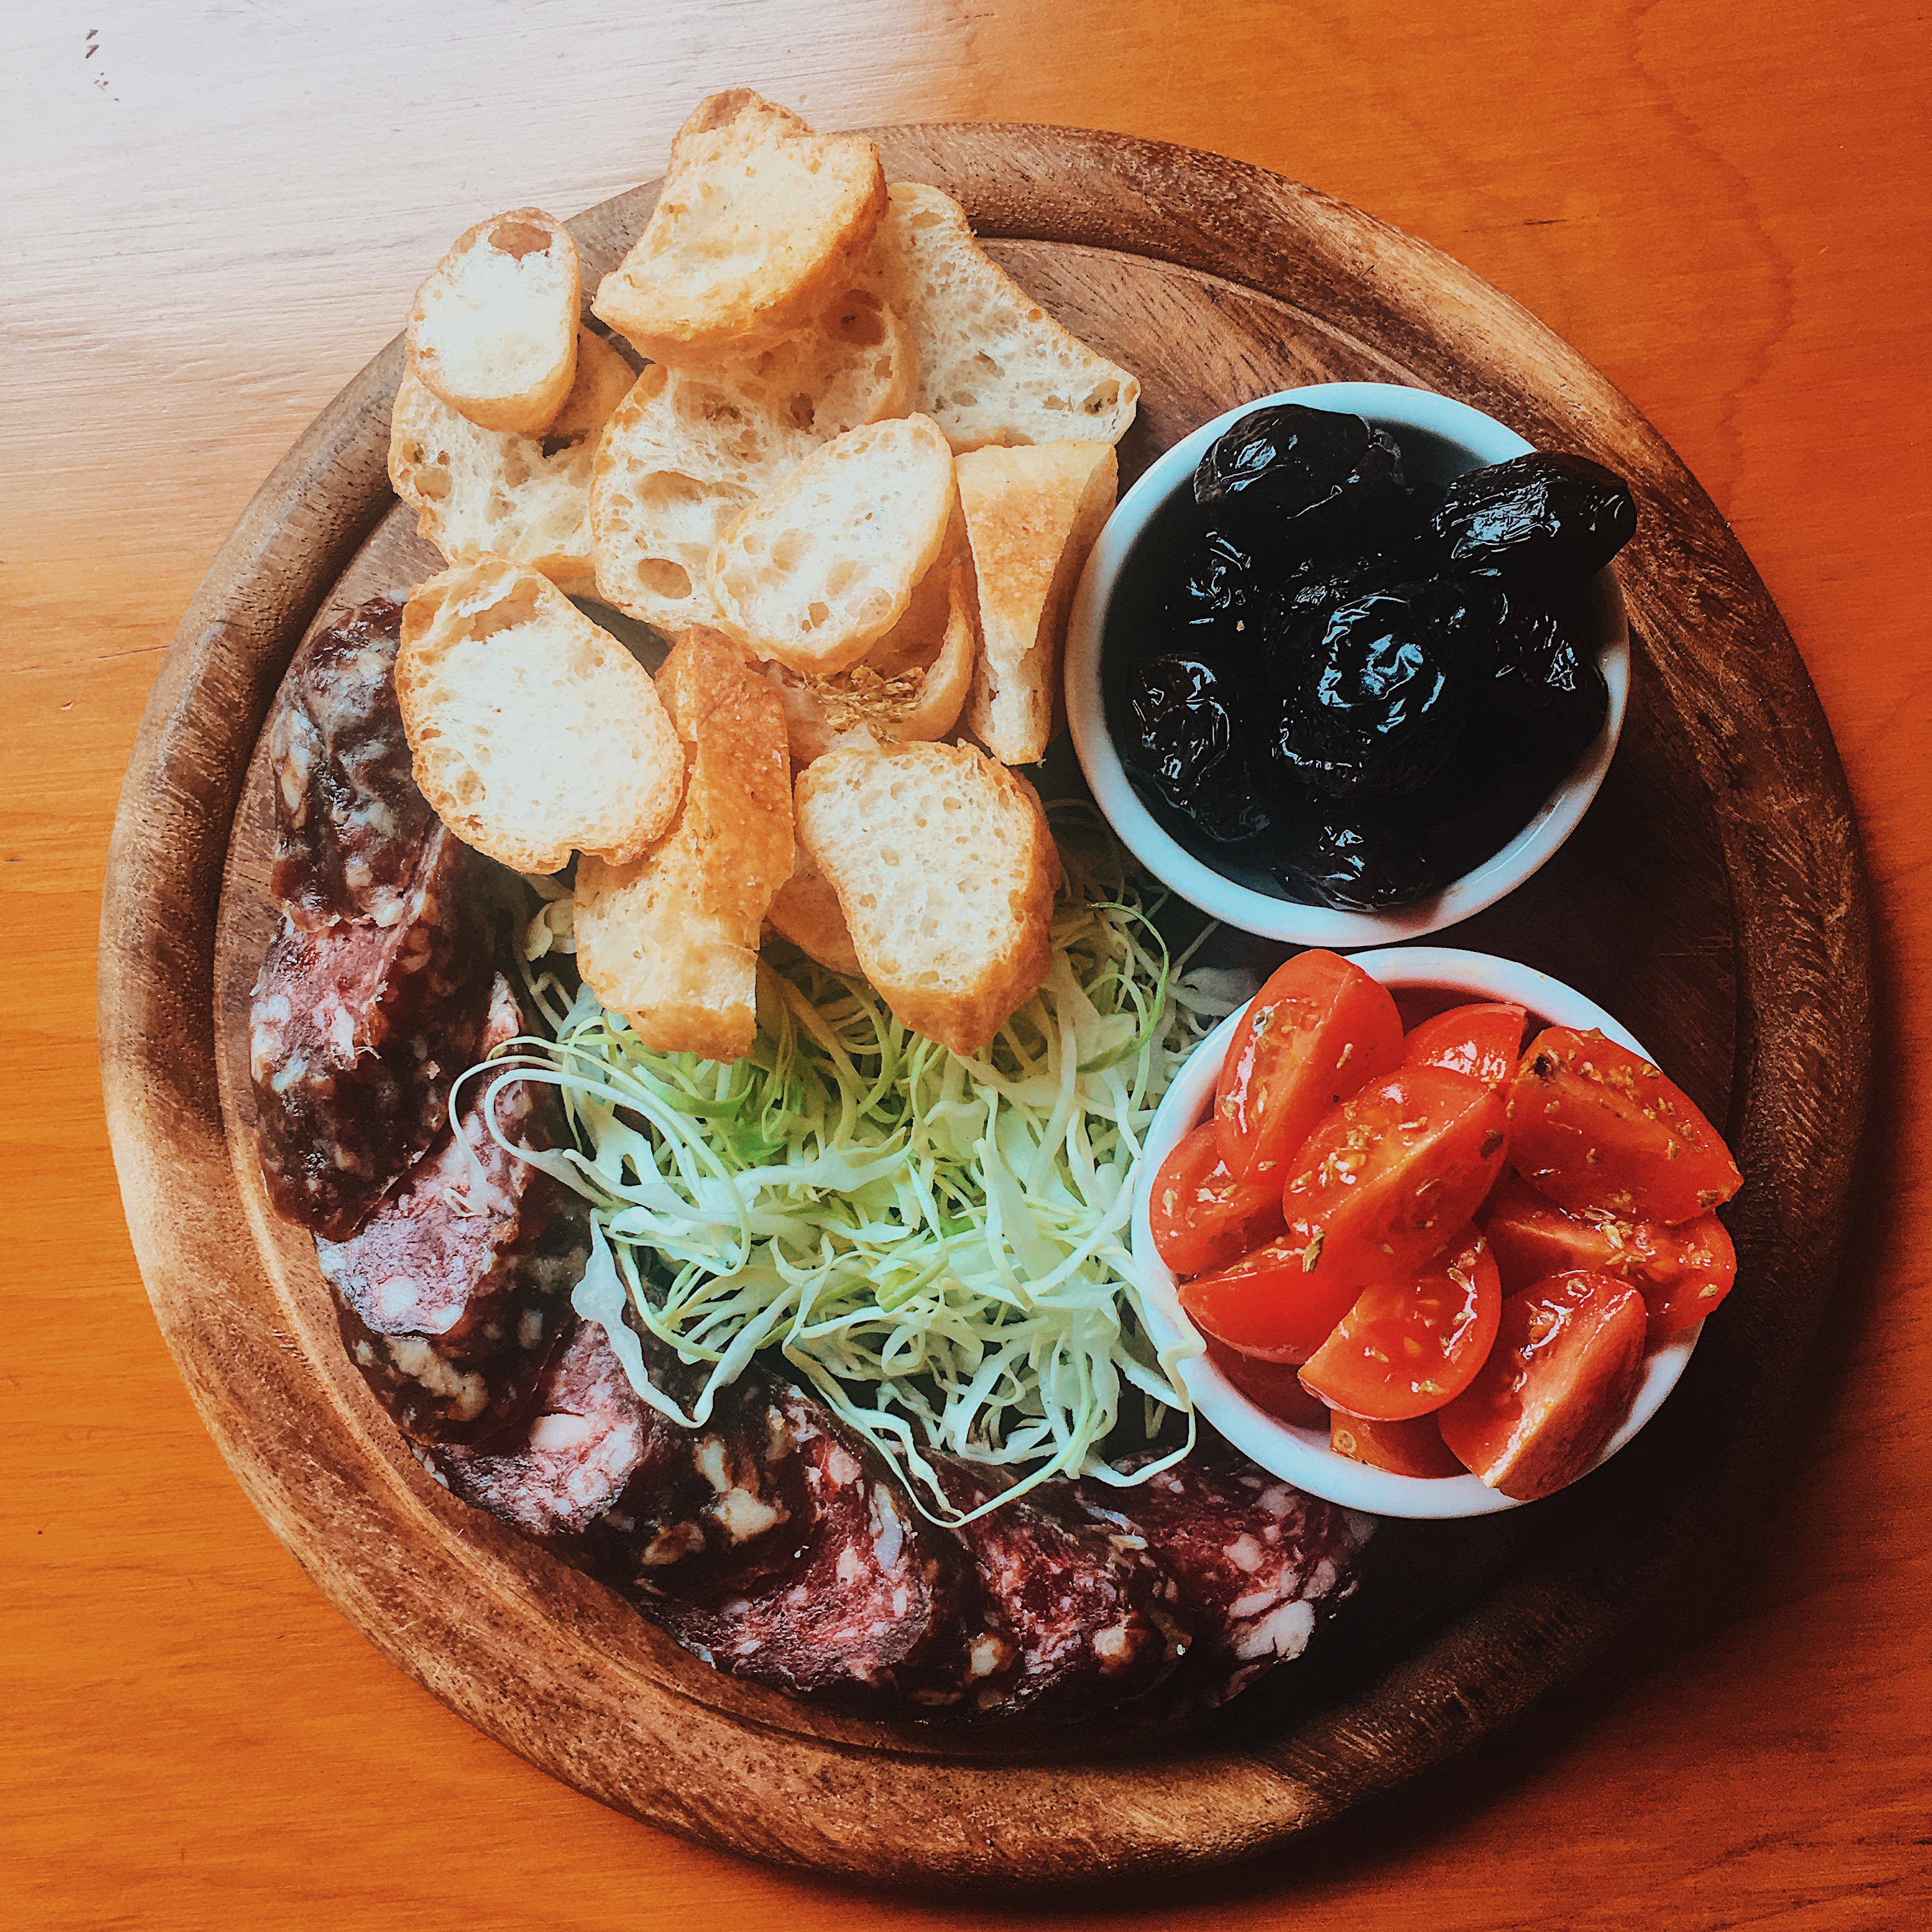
{"x":213,"y":214}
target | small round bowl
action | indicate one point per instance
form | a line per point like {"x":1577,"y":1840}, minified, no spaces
{"x":1440,"y":438}
{"x":1302,"y":1456}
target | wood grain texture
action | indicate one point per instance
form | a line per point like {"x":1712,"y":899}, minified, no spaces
{"x":1733,"y":226}
{"x":1142,"y":245}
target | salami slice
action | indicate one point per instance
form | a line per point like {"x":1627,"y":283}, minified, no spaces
{"x":720,"y":1511}
{"x":438,"y":1258}
{"x":439,"y":1389}
{"x":355,"y":1034}
{"x":1257,"y":1559}
{"x":870,"y":1597}
{"x":349,"y":820}
{"x":1069,"y":1615}
{"x":587,"y":1434}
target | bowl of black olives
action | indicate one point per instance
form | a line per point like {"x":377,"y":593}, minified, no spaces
{"x":1349,"y":663}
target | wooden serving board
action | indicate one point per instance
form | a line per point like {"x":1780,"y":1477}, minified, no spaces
{"x":1714,"y":899}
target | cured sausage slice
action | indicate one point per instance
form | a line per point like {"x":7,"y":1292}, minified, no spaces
{"x":349,"y":820}
{"x":354,"y":1033}
{"x":871,"y":1596}
{"x":1257,"y":1561}
{"x":587,"y":1434}
{"x":720,"y":1511}
{"x":1069,"y":1615}
{"x":438,"y":1257}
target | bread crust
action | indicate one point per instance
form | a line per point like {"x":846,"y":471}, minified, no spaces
{"x":994,"y":367}
{"x":444,"y":344}
{"x":882,"y":824}
{"x":670,"y":941}
{"x":496,"y":760}
{"x":680,"y":296}
{"x":689,"y":449}
{"x":459,"y":478}
{"x":815,"y":572}
{"x":913,"y":684}
{"x":1032,"y":514}
{"x":805,"y":910}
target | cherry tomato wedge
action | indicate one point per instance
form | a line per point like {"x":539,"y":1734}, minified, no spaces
{"x":1272,"y":1386}
{"x":1390,"y":1176}
{"x":1317,"y":1032}
{"x":1200,"y":1216}
{"x":1484,"y":1041}
{"x":1597,"y":1128}
{"x":1408,"y":1345}
{"x":1271,"y":1304}
{"x":1411,"y":1448}
{"x":1682,"y":1272}
{"x":1561,"y":1378}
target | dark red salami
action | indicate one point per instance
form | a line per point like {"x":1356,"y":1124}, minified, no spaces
{"x":870,"y":1597}
{"x":721,"y":1510}
{"x":438,"y":1258}
{"x":1069,"y":1616}
{"x":349,"y":820}
{"x":1257,"y":1559}
{"x":356,"y":1033}
{"x":587,"y":1434}
{"x":463,"y":1386}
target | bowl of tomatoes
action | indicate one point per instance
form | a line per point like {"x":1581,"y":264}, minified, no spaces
{"x":1433,"y":1234}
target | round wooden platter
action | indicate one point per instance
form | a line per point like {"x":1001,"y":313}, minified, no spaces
{"x":1714,"y":899}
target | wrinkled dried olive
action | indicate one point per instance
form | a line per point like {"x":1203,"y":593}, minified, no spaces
{"x":1290,"y":462}
{"x":1378,"y":695}
{"x":1189,"y":744}
{"x":1363,"y":860}
{"x":1546,"y":521}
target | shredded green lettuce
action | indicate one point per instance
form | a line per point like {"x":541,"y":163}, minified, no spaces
{"x":938,"y":1245}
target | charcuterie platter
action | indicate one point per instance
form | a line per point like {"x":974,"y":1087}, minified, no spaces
{"x":1713,"y":897}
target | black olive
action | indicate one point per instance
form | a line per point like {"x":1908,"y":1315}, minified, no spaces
{"x":1378,"y":696}
{"x":1546,"y":521}
{"x":1190,"y":744}
{"x":1278,"y":464}
{"x":1219,"y":586}
{"x":1363,"y":860}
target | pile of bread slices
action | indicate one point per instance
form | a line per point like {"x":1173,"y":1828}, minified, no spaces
{"x":852,"y":480}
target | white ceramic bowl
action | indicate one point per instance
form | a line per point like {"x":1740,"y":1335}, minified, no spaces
{"x":1452,"y":437}
{"x":1302,"y":1456}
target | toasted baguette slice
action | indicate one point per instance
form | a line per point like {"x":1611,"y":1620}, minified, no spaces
{"x":945,"y":871}
{"x":691,"y":448}
{"x":805,"y":911}
{"x":672,"y":941}
{"x":532,"y":733}
{"x":759,"y":221}
{"x":497,"y":492}
{"x":1032,"y":515}
{"x":819,"y":569}
{"x":993,"y":366}
{"x":494,"y":330}
{"x":912,"y":684}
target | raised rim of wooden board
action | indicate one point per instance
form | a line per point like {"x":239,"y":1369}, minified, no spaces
{"x":913,"y":1815}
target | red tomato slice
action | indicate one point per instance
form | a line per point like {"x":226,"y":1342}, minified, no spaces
{"x":1407,"y":1347}
{"x":1597,"y":1128}
{"x":1271,"y":1304}
{"x":1390,"y":1176}
{"x":1272,"y":1386}
{"x":1682,"y":1272}
{"x":1562,"y":1377}
{"x":1201,"y":1217}
{"x":1319,"y":1030}
{"x":1484,"y":1041}
{"x":1412,"y":1448}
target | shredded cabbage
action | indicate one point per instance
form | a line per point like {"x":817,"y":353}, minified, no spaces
{"x":938,"y":1245}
